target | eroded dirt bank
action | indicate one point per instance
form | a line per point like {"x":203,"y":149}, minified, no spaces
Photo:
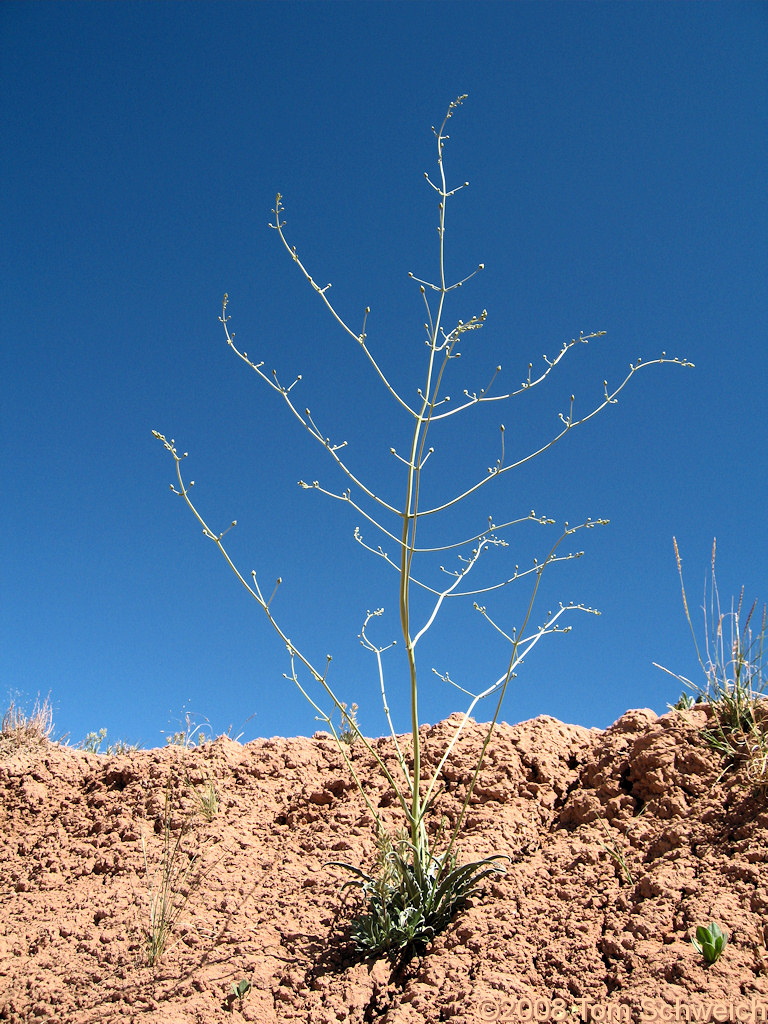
{"x":584,"y":933}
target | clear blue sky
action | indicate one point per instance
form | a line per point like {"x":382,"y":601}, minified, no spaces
{"x":617,"y":156}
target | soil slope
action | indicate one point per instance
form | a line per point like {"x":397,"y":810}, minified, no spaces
{"x":569,"y":933}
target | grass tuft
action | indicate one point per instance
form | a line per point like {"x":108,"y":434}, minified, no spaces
{"x":179,"y":873}
{"x":733,"y":661}
{"x":206,"y":799}
{"x":28,"y":730}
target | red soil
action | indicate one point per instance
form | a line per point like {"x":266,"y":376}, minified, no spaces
{"x":564,"y":927}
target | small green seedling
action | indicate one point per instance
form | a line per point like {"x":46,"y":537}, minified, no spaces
{"x":238,"y":992}
{"x":710,"y":942}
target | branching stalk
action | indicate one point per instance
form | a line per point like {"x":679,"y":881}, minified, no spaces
{"x":419,"y":887}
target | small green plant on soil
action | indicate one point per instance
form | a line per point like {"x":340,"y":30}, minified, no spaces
{"x":733,"y":661}
{"x":349,"y":726}
{"x":238,"y":992}
{"x":420,"y":882}
{"x":710,"y":942}
{"x":93,"y":740}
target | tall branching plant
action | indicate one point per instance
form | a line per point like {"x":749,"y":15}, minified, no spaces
{"x":419,"y":886}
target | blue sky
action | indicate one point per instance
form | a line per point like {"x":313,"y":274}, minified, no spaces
{"x":616,"y":155}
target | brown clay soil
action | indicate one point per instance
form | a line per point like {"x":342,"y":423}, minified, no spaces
{"x":563,"y":936}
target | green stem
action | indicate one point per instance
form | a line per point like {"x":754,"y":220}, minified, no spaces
{"x":410,"y":517}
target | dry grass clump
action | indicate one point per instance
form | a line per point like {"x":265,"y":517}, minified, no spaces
{"x":736,"y":680}
{"x":756,"y":742}
{"x":20,"y":729}
{"x":180,"y":872}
